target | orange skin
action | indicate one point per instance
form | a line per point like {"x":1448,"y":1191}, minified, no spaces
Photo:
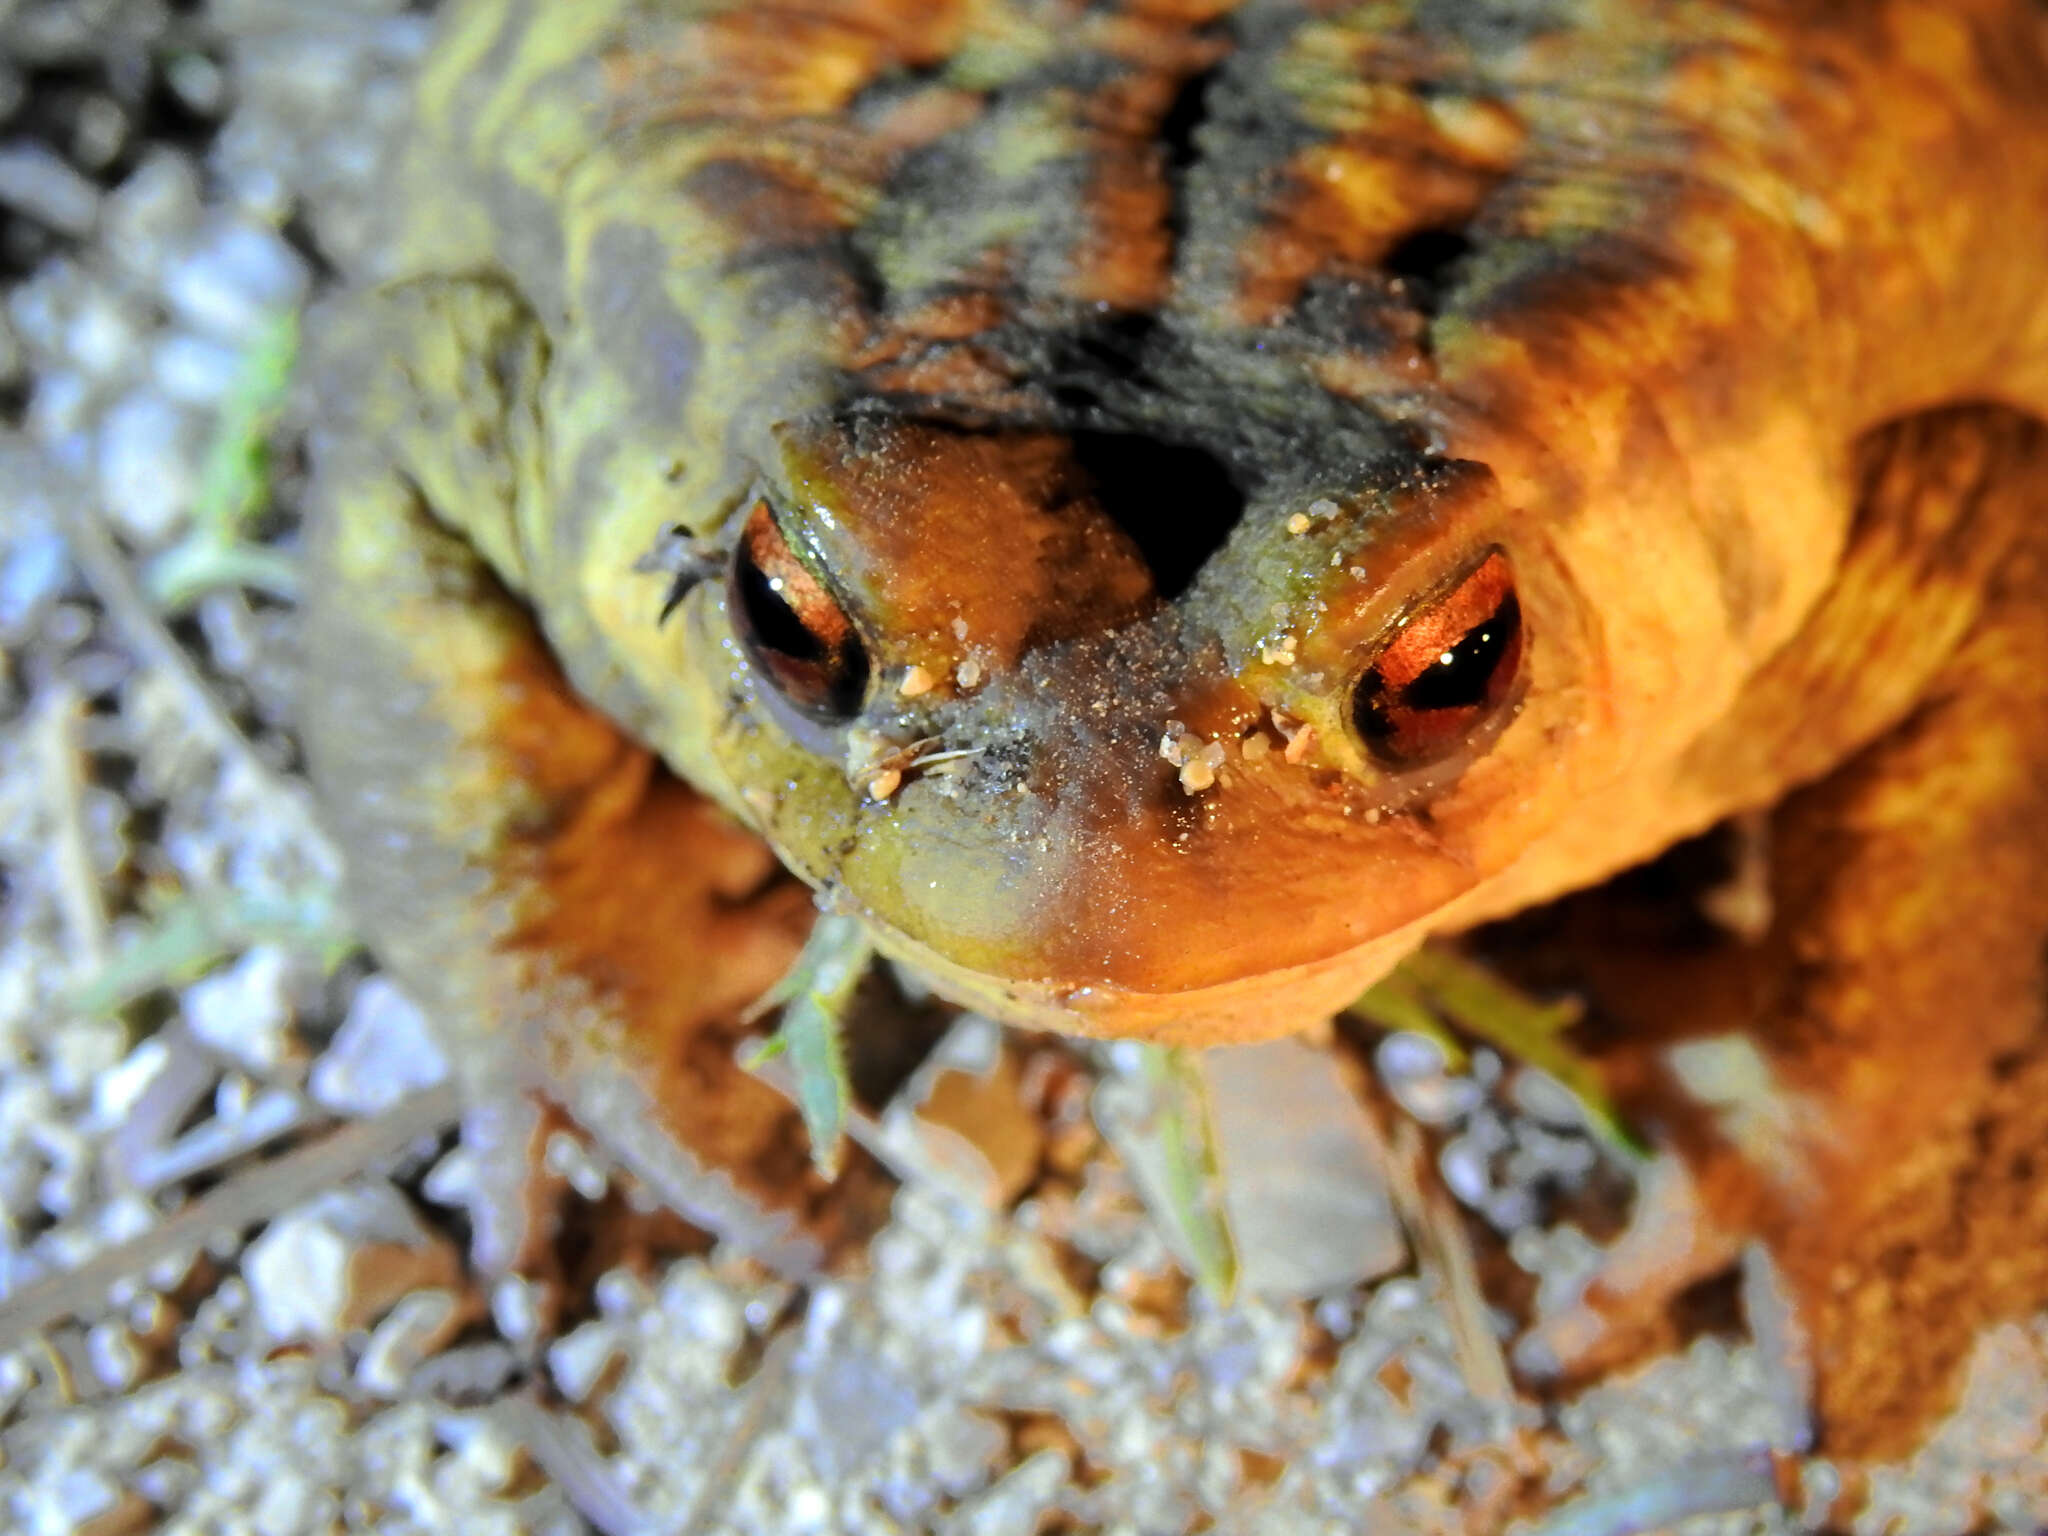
{"x":1621,"y":306}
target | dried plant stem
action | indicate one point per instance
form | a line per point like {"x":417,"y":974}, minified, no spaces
{"x":561,"y":1446}
{"x":92,"y":545}
{"x":1719,"y":1483}
{"x":78,"y":889}
{"x":249,"y":1197}
{"x":1437,"y":1231}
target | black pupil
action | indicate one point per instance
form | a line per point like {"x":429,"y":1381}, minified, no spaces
{"x":820,"y":677}
{"x":774,"y":625}
{"x":1465,"y":679}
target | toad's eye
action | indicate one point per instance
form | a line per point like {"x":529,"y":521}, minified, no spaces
{"x":1447,"y":671}
{"x":795,"y":631}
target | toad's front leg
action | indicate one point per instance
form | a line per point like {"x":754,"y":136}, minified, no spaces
{"x":572,"y":917}
{"x":1866,"y":1090}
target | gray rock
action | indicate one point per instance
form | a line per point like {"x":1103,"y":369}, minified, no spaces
{"x":580,"y":1361}
{"x":197,"y":82}
{"x":244,"y":1012}
{"x":39,"y":184}
{"x":1301,"y":1187}
{"x":102,"y":336}
{"x":34,"y":565}
{"x":155,"y":207}
{"x":383,"y":1051}
{"x":1302,"y":1183}
{"x":147,"y":476}
{"x":100,"y":132}
{"x":195,"y":370}
{"x":1467,"y":1169}
{"x":1544,"y":1098}
{"x":1416,"y":1073}
{"x":341,"y":1261}
{"x":234,"y":280}
{"x":416,"y":1327}
{"x":1019,"y":1501}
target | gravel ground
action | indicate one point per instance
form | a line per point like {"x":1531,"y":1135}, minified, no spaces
{"x":236,"y":1194}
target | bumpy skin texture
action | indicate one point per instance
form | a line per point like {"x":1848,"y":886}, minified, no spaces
{"x":1128,"y":364}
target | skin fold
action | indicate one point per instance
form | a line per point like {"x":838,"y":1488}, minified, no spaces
{"x":1017,"y":459}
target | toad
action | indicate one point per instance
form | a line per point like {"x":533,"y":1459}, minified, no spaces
{"x":1153,"y":508}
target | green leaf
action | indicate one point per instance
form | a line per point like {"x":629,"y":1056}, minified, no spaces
{"x":1194,"y":1175}
{"x":234,"y":482}
{"x":814,"y":997}
{"x":1400,"y":1003}
{"x":188,"y":936}
{"x":234,"y":486}
{"x":1436,"y":984}
{"x":189,"y":569}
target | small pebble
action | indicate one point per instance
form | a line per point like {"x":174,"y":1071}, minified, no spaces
{"x":1466,"y":1171}
{"x":146,"y":452}
{"x":39,"y":184}
{"x":59,"y":414}
{"x":1174,"y":744}
{"x":1437,"y":1100}
{"x":415,"y":1327}
{"x":569,"y":1159}
{"x":194,"y":370}
{"x":16,"y":1377}
{"x":244,"y":1012}
{"x":88,"y":1502}
{"x":1407,"y":1054}
{"x":34,"y":565}
{"x":383,"y":1052}
{"x":100,"y":132}
{"x":1542,"y":1097}
{"x":152,"y":210}
{"x":578,"y":1362}
{"x":101,"y":336}
{"x":230,"y":284}
{"x":619,"y":1292}
{"x":115,"y":1090}
{"x":197,"y":82}
{"x":516,"y":1308}
{"x":340,"y":1261}
{"x":116,"y":1359}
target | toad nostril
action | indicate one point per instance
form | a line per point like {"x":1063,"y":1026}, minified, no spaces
{"x":795,"y":631}
{"x":1427,"y":261}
